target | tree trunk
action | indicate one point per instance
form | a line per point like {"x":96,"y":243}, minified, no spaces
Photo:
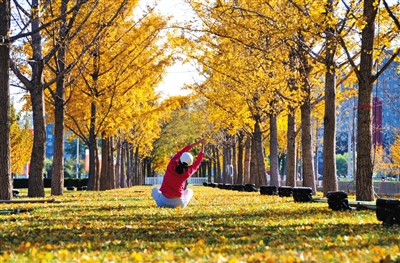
{"x":306,"y":145}
{"x":122,"y":179}
{"x":253,"y":162}
{"x":329,"y":168}
{"x":291,"y":171}
{"x":135,"y":170}
{"x":257,"y":157}
{"x":273,"y":142}
{"x":57,"y":169}
{"x":5,"y":111}
{"x":240,"y":152}
{"x":129,"y":163}
{"x":306,"y":134}
{"x":315,"y":143}
{"x":98,"y":167}
{"x":219,"y":172}
{"x":35,"y":182}
{"x":111,"y":172}
{"x":118,"y":165}
{"x":104,"y":179}
{"x":209,"y":171}
{"x":92,"y":180}
{"x":282,"y":165}
{"x":364,"y":186}
{"x":215,"y":169}
{"x":234,"y":161}
{"x":247,"y":161}
{"x":226,"y":157}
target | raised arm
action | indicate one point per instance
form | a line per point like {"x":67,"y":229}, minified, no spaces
{"x":202,"y":142}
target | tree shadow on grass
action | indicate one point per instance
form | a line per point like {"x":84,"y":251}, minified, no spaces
{"x":123,"y":228}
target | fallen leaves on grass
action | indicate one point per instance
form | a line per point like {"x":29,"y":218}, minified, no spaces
{"x":124,"y":225}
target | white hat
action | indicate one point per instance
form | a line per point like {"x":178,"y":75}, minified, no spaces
{"x":186,"y":158}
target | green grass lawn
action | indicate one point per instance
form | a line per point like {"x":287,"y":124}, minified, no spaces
{"x":218,"y":226}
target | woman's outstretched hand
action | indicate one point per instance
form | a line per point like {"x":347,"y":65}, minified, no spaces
{"x":201,"y":141}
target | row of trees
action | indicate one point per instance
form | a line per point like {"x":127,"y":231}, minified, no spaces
{"x":94,"y":66}
{"x":271,"y":61}
{"x":269,"y":70}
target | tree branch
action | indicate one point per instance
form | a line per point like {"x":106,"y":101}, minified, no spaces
{"x":20,"y":76}
{"x":395,"y":20}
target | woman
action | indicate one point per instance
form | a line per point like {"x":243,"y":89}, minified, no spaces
{"x":179,"y":169}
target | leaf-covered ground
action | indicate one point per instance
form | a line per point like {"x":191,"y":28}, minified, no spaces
{"x":218,"y":226}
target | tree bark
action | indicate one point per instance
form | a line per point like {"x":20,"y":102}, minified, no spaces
{"x":129,"y":163}
{"x":253,"y":162}
{"x":257,"y":158}
{"x":135,"y":170}
{"x":291,"y":171}
{"x":118,"y":164}
{"x":92,"y":180}
{"x":104,"y":179}
{"x":282,"y":159}
{"x":218,"y":162}
{"x":247,"y":161}
{"x":234,"y":160}
{"x":57,"y":169}
{"x":5,"y":110}
{"x":35,"y":181}
{"x":227,"y":160}
{"x":215,"y":166}
{"x":329,"y":168}
{"x":36,"y":90}
{"x":306,"y":144}
{"x":111,"y":172}
{"x":306,"y":133}
{"x":122,"y":179}
{"x":240,"y":152}
{"x":364,"y":186}
{"x":98,"y":166}
{"x":273,"y":144}
{"x":315,"y":143}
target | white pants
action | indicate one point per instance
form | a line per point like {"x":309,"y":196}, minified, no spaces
{"x":163,"y":201}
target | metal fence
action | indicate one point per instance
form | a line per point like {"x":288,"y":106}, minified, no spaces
{"x":191,"y":180}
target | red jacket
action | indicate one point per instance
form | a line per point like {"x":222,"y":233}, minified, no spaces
{"x":174,"y":183}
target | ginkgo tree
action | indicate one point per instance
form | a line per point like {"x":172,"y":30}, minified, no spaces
{"x":379,"y":27}
{"x":31,"y":61}
{"x":140,"y":141}
{"x":107,"y":17}
{"x":250,"y":56}
{"x":307,"y":25}
{"x":66,"y":28}
{"x":117,"y":84}
{"x":224,"y":127}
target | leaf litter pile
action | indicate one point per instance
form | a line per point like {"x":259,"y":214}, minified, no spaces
{"x":218,"y":225}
